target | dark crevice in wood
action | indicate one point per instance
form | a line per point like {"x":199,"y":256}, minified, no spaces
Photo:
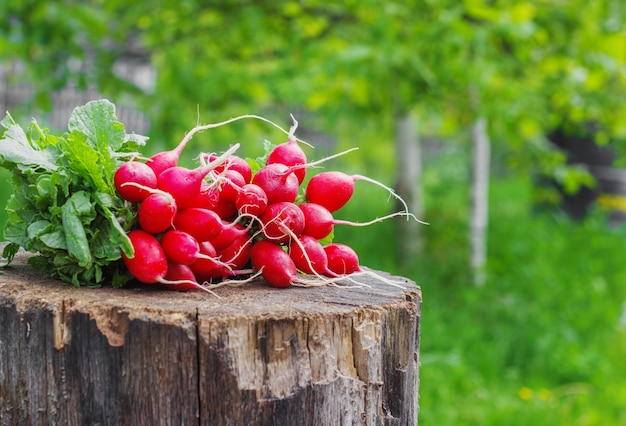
{"x":198,"y":381}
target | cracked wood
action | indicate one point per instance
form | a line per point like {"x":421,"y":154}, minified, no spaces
{"x":255,"y":356}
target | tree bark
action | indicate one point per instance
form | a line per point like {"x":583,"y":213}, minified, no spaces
{"x":254,"y":356}
{"x":409,"y":187}
{"x":480,"y":200}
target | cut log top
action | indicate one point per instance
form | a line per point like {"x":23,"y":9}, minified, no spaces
{"x":344,"y":354}
{"x":25,"y":285}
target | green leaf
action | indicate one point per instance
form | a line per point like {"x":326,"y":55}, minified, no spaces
{"x":38,"y":228}
{"x":83,"y":159}
{"x":9,"y":252}
{"x":75,"y":234}
{"x":116,"y":236}
{"x":48,"y":190}
{"x":98,"y":122}
{"x":105,"y":135}
{"x":16,"y":151}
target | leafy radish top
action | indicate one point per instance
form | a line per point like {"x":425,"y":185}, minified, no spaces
{"x":65,"y":206}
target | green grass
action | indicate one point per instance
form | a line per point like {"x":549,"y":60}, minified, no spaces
{"x":544,"y":341}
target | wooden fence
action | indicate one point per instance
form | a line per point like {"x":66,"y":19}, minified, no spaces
{"x":14,"y":97}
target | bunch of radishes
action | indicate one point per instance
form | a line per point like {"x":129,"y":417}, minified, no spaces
{"x":221,"y":220}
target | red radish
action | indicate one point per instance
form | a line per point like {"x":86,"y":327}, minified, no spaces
{"x":166,"y":159}
{"x":181,"y":247}
{"x":330,"y":189}
{"x":209,"y":198}
{"x":182,"y":275}
{"x":233,"y":258}
{"x":281,"y":220}
{"x":342,"y":259}
{"x":290,"y":154}
{"x":333,"y":190}
{"x":225,"y":209}
{"x":230,"y":231}
{"x":318,"y":221}
{"x":184,"y":184}
{"x":251,"y":200}
{"x":149,"y":264}
{"x":202,"y":224}
{"x":309,"y":256}
{"x":203,"y":267}
{"x":133,"y":179}
{"x":278,"y":182}
{"x":235,"y":163}
{"x":181,"y":278}
{"x":156,"y":213}
{"x":274,"y":263}
{"x":230,"y":183}
{"x":237,"y":254}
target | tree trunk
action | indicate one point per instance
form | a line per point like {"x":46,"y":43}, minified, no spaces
{"x":480,"y":200}
{"x":409,"y":187}
{"x":254,"y":356}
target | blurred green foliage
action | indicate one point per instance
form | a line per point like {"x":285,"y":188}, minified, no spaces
{"x":543,"y":341}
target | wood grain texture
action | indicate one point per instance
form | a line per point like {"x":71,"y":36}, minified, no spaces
{"x":254,"y":356}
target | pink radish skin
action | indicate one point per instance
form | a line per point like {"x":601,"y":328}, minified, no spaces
{"x":181,"y":278}
{"x":330,"y":189}
{"x":203,"y":267}
{"x":235,"y":163}
{"x":225,"y":209}
{"x":202,"y":224}
{"x":138,"y":173}
{"x":279,"y":216}
{"x":156,"y":213}
{"x":342,"y":259}
{"x":278,"y":182}
{"x":162,"y":161}
{"x":149,"y":264}
{"x":251,"y":200}
{"x":180,"y":247}
{"x":319,"y":222}
{"x":230,"y":185}
{"x":229,"y":233}
{"x":184,"y":184}
{"x":233,"y":258}
{"x":334,"y":189}
{"x":166,"y":159}
{"x":207,"y":198}
{"x":290,"y":154}
{"x":237,"y":254}
{"x":275,"y":265}
{"x":177,"y":272}
{"x":313,"y":259}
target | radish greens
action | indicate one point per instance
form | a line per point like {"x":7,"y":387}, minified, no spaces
{"x":64,"y":205}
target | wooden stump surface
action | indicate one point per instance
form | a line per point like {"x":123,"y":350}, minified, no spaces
{"x":254,"y":356}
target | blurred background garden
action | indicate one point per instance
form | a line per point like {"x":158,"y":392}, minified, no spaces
{"x":502,"y":123}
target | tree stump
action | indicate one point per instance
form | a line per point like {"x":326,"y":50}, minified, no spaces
{"x":254,"y":356}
